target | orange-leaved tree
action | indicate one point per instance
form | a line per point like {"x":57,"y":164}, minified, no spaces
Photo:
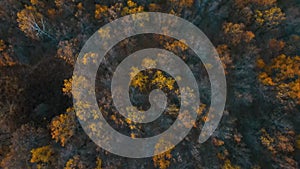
{"x":283,"y":73}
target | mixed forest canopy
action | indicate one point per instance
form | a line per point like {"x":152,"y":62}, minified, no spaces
{"x":258,"y":42}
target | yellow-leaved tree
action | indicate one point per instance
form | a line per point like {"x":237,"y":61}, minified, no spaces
{"x":42,"y":156}
{"x":283,"y":74}
{"x":32,"y":23}
{"x":63,"y":126}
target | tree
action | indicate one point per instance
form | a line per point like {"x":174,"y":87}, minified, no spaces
{"x":36,"y":84}
{"x":117,"y":10}
{"x":100,"y":11}
{"x":224,"y":54}
{"x":178,"y":7}
{"x":11,"y":103}
{"x":68,"y":50}
{"x":236,"y":33}
{"x":23,"y":141}
{"x":75,"y":163}
{"x":131,"y":8}
{"x":2,"y":45}
{"x":228,"y":165}
{"x":269,"y":17}
{"x":32,"y":23}
{"x":98,"y":163}
{"x":42,"y":156}
{"x":63,"y":127}
{"x":162,"y":161}
{"x":5,"y":59}
{"x":260,"y":3}
{"x":67,"y":87}
{"x":282,"y":73}
{"x":280,"y":145}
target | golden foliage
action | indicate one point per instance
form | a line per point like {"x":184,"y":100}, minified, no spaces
{"x":74,"y":163}
{"x":265,"y":79}
{"x":162,"y":161}
{"x":63,"y":126}
{"x":5,"y":59}
{"x":229,"y":165}
{"x":232,"y":28}
{"x":83,"y":82}
{"x":143,"y":81}
{"x":298,"y":142}
{"x":2,"y":45}
{"x":100,"y":10}
{"x":80,"y":6}
{"x":67,"y":86}
{"x":224,"y":54}
{"x":223,"y":154}
{"x":34,"y":2}
{"x":67,"y":51}
{"x":283,"y":73}
{"x":260,"y":63}
{"x":91,"y":57}
{"x":201,"y":109}
{"x":236,"y":33}
{"x":154,"y":7}
{"x":41,"y":154}
{"x":280,"y":142}
{"x":133,"y":126}
{"x":270,"y":17}
{"x":98,"y":163}
{"x":131,"y":8}
{"x":71,"y":163}
{"x":162,"y":81}
{"x":267,"y":140}
{"x":217,"y":142}
{"x":140,"y":81}
{"x":29,"y":20}
{"x":37,"y":3}
{"x":174,"y":46}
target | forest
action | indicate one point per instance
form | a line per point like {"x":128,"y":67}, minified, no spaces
{"x":258,"y":42}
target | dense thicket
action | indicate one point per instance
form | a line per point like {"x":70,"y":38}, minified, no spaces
{"x":258,"y":42}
